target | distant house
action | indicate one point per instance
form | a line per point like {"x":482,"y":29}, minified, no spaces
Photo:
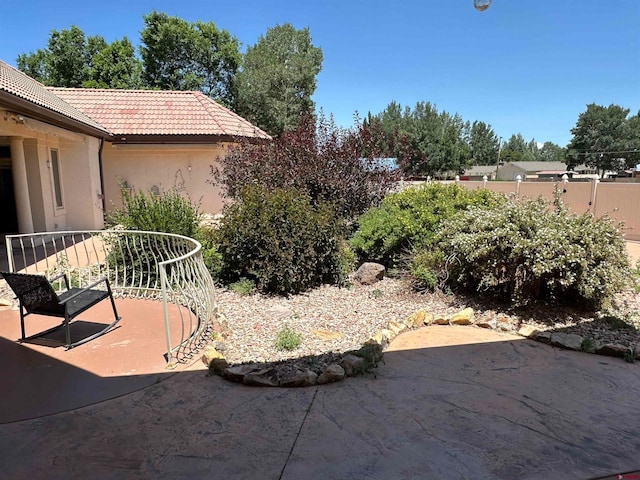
{"x":65,"y":152}
{"x":478,"y":172}
{"x":530,"y":170}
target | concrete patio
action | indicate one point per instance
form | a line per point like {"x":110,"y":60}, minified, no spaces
{"x":449,"y":402}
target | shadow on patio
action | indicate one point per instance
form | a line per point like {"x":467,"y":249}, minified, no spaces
{"x":40,"y":377}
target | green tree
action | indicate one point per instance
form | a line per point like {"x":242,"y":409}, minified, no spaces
{"x":114,"y":66}
{"x":550,"y":152}
{"x":634,"y":139}
{"x":178,"y":55}
{"x":34,"y":64}
{"x":517,"y":149}
{"x":605,"y":138}
{"x":73,"y":60}
{"x":484,"y":144}
{"x":68,"y":60}
{"x":424,"y":140}
{"x":277,"y":79}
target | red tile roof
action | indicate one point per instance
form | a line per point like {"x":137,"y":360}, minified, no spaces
{"x":16,"y":83}
{"x":157,"y":112}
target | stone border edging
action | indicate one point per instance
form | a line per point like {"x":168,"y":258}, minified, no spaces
{"x":358,"y":362}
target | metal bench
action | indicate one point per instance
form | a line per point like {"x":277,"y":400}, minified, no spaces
{"x":37,"y":296}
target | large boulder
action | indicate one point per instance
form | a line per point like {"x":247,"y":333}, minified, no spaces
{"x":369,"y":273}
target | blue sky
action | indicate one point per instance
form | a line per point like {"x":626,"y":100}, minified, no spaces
{"x":523,"y":66}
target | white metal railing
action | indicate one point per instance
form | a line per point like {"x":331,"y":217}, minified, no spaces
{"x":161,"y":266}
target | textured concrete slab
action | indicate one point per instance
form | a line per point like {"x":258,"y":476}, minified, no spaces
{"x":450,"y":402}
{"x":40,"y":377}
{"x":499,"y":408}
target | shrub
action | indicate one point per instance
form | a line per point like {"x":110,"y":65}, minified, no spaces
{"x":409,"y":219}
{"x":326,"y":162}
{"x":168,"y":212}
{"x":210,"y":252}
{"x":528,"y":250}
{"x":244,"y":286}
{"x":427,"y":269}
{"x":281,"y":241}
{"x":287,"y":339}
{"x":346,"y":260}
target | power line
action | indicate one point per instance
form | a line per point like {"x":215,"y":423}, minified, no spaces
{"x":601,"y":152}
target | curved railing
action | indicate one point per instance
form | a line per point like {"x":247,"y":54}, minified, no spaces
{"x":139,"y":264}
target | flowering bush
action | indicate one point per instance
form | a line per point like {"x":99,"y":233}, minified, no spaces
{"x":409,"y":220}
{"x":528,"y":250}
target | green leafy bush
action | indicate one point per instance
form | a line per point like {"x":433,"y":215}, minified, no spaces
{"x":530,"y":249}
{"x":210,"y":252}
{"x":287,"y":339}
{"x":244,"y":286}
{"x":168,"y":212}
{"x":427,"y":269}
{"x":281,"y":241}
{"x":409,"y":220}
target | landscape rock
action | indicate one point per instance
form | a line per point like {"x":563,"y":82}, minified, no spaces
{"x":417,"y":320}
{"x":612,"y":350}
{"x":440,"y":320}
{"x":218,"y":365}
{"x":237,"y":373}
{"x":280,"y":312}
{"x":333,"y":373}
{"x":300,"y":378}
{"x":209,"y":354}
{"x":325,"y":334}
{"x":636,"y":351}
{"x":369,"y":273}
{"x":528,"y":331}
{"x":544,"y":337}
{"x":371,"y":352}
{"x":353,"y":364}
{"x":387,"y":335}
{"x":485,"y":323}
{"x":566,"y":340}
{"x":377,"y":339}
{"x":262,"y":378}
{"x":464,"y":317}
{"x":219,"y":346}
{"x":397,"y":328}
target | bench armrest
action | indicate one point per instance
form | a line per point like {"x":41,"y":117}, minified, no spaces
{"x":62,"y":275}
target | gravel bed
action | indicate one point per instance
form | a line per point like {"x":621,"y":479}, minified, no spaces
{"x":358,"y":312}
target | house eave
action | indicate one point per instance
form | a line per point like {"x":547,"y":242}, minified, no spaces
{"x":25,"y":107}
{"x":162,"y":139}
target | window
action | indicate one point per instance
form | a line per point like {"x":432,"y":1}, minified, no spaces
{"x":57,"y":183}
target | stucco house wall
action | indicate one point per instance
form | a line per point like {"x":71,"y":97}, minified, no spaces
{"x":78,"y":169}
{"x":186,"y":168}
